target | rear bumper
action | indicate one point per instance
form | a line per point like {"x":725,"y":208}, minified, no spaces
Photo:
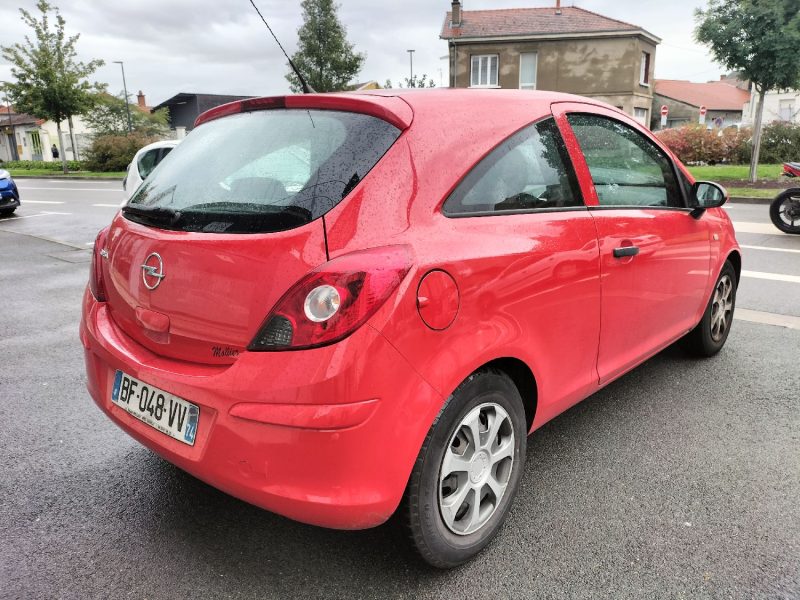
{"x":325,"y":436}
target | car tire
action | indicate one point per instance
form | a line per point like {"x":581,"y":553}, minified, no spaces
{"x":440,"y":496}
{"x":710,"y":335}
{"x":7,"y":211}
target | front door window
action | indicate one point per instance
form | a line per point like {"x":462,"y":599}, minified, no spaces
{"x":627,"y":169}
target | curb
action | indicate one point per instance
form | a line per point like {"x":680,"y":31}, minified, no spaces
{"x":750,"y":200}
{"x":62,"y":178}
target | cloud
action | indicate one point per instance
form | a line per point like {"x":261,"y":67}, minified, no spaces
{"x":210,"y":46}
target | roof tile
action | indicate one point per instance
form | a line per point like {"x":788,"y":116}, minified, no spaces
{"x":531,"y":21}
{"x":714,"y":95}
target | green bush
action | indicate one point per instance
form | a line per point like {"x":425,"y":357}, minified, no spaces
{"x":72,"y":165}
{"x":115,"y":152}
{"x":780,"y":142}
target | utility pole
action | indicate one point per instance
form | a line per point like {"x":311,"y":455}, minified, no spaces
{"x":125,"y":89}
{"x":411,"y":64}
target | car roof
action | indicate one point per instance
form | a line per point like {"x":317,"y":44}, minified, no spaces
{"x":401,"y":107}
{"x":159,"y":144}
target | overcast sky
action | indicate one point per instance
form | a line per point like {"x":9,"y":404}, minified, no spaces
{"x":221,"y":47}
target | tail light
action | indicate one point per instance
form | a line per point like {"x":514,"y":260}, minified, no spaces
{"x":334,"y":300}
{"x":96,"y":282}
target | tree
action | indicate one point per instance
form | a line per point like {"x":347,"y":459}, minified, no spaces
{"x":414,"y":82}
{"x":759,"y":38}
{"x":49,"y":82}
{"x":325,"y":57}
{"x":108,"y":116}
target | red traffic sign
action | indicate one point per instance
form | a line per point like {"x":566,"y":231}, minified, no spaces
{"x":664,"y":110}
{"x":703,"y":111}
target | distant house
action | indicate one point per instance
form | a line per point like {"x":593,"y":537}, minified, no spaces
{"x":723,"y":101}
{"x":366,"y":85}
{"x":22,"y":136}
{"x":185,"y":107}
{"x":564,"y":49}
{"x":778,"y":106}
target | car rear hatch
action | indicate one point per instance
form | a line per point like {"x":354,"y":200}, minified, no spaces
{"x":229,"y":221}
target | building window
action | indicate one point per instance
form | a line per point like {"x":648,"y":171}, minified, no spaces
{"x":786,"y":110}
{"x":484,"y":70}
{"x":527,"y":70}
{"x":644,"y":76}
{"x":640,"y":114}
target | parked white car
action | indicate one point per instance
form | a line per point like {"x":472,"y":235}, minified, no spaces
{"x":143,"y":163}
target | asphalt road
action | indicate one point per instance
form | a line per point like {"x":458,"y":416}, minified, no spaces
{"x":680,"y":480}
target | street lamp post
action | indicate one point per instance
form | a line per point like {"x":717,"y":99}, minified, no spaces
{"x":125,"y":89}
{"x":411,"y":64}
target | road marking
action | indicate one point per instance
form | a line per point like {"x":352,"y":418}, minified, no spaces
{"x":108,"y":205}
{"x":770,"y":248}
{"x":749,"y":227}
{"x":41,"y":214}
{"x":771,"y":276}
{"x":43,"y":202}
{"x":766,"y":318}
{"x":67,"y":189}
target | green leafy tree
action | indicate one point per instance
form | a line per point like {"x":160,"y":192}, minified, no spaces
{"x":413,"y":82}
{"x":49,"y":81}
{"x":759,"y":38}
{"x":326,"y":59}
{"x":108,"y":116}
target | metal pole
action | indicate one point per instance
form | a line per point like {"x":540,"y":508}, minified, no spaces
{"x":125,"y":88}
{"x":411,"y":64}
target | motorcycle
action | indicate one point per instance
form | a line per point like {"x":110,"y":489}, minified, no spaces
{"x":791,"y":169}
{"x":785,"y":210}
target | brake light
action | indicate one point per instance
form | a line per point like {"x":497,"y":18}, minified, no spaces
{"x":334,"y":300}
{"x":96,"y":282}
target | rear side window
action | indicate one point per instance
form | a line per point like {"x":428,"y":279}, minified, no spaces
{"x":149,"y":160}
{"x":627,"y":169}
{"x":527,"y":171}
{"x":261,"y":171}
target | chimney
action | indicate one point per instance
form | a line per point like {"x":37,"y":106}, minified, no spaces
{"x":455,"y":19}
{"x":140,"y":100}
{"x":558,"y":7}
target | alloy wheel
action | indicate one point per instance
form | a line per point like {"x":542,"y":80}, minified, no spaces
{"x":476,"y":468}
{"x":722,"y":308}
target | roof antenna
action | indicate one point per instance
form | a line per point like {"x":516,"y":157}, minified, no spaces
{"x":307,"y":89}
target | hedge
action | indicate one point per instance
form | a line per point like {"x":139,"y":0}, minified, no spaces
{"x":72,"y":165}
{"x":115,"y":152}
{"x":780,"y":142}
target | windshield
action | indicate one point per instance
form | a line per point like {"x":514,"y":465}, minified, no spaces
{"x":261,"y":171}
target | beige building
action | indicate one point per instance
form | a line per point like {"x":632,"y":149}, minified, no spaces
{"x":563,"y":49}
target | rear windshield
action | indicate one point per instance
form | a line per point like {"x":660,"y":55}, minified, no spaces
{"x":261,"y":171}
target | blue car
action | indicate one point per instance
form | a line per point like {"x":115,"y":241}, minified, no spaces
{"x":9,"y":194}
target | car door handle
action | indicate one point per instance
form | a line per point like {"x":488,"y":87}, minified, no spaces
{"x":626,"y":251}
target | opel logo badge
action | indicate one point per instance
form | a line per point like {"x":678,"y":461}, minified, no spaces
{"x":153,"y":271}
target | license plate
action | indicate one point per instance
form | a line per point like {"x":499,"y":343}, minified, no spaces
{"x":161,"y":410}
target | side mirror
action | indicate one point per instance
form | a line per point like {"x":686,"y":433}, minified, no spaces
{"x":707,"y":194}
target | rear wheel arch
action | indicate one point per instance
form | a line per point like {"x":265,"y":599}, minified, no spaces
{"x":524,"y":380}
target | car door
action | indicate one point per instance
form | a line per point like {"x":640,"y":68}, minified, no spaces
{"x":654,"y":255}
{"x":525,"y":250}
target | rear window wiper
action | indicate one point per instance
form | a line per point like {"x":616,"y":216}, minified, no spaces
{"x":154,"y":213}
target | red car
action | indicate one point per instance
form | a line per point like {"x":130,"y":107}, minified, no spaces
{"x":332,"y":306}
